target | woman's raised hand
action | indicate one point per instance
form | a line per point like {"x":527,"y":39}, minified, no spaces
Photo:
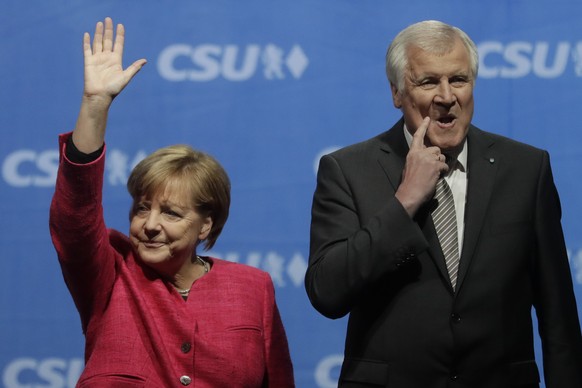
{"x":104,"y":74}
{"x":104,"y":79}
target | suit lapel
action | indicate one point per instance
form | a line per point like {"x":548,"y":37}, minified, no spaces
{"x":393,"y":149}
{"x":482,"y":166}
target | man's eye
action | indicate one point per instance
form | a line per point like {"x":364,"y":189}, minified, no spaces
{"x":428,"y":83}
{"x":458,"y":81}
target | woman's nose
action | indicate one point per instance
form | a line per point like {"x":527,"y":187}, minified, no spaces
{"x":152,"y":222}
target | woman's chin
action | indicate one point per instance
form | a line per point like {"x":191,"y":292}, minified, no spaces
{"x":152,"y":257}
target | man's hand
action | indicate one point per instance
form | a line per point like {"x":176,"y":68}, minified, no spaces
{"x":424,"y":165}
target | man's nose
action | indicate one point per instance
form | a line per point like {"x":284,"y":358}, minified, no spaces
{"x":445,"y":94}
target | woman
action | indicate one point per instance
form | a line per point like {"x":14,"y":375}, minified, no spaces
{"x":153,"y":311}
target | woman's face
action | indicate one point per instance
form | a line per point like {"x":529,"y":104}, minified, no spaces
{"x":165,"y":230}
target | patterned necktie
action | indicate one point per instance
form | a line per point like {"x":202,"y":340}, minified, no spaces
{"x":445,"y":222}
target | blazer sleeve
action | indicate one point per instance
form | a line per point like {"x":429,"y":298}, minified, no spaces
{"x":555,"y":302}
{"x":349,"y":252}
{"x":79,"y":234}
{"x":278,"y":360}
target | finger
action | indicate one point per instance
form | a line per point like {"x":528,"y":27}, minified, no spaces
{"x":444,"y":168}
{"x":119,"y":40}
{"x":108,"y":37}
{"x":433,"y":150}
{"x":86,"y":45}
{"x":418,"y":137}
{"x":133,"y":69}
{"x":98,"y":38}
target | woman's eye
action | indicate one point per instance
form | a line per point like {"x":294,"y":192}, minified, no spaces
{"x":141,"y":210}
{"x":172,"y":215}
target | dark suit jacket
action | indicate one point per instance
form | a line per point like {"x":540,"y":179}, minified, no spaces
{"x":407,"y":328}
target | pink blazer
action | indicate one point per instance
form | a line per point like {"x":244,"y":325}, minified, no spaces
{"x":139,"y":331}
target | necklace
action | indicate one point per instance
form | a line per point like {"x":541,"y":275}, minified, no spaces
{"x":204,"y":264}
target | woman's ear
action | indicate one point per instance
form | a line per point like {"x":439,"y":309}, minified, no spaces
{"x":205,"y":229}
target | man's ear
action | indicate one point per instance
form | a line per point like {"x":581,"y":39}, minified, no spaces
{"x":396,"y":97}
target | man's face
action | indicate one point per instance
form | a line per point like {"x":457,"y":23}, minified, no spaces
{"x":440,"y":87}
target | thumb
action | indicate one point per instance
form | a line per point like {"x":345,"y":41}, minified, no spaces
{"x":134,"y":68}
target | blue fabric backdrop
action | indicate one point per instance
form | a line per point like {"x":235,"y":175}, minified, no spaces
{"x":267,"y":86}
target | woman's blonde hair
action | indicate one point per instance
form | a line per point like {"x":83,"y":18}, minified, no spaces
{"x":198,"y":173}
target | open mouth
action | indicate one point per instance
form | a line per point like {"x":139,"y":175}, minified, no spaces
{"x":446,"y":119}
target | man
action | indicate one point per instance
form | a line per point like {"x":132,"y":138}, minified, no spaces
{"x":434,"y":306}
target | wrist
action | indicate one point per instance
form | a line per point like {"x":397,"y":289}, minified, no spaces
{"x":409,"y":204}
{"x":96,"y":101}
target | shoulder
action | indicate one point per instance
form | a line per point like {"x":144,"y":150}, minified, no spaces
{"x":241,"y":283}
{"x":510,"y":152}
{"x":353,"y":159}
{"x":120,"y":242}
{"x":502,"y":142}
{"x":391,"y":140}
{"x":124,"y":254}
{"x":236,"y":272}
{"x":359,"y":149}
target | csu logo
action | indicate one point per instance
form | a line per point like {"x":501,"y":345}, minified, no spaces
{"x":24,"y":168}
{"x":520,"y":59}
{"x":29,"y":168}
{"x":50,"y":372}
{"x":207,"y":62}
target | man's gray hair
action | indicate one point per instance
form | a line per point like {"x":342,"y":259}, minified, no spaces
{"x":432,"y":36}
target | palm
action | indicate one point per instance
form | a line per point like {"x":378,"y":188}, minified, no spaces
{"x":104,"y":74}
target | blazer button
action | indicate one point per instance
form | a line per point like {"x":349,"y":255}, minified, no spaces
{"x":185,"y":347}
{"x":456,"y":318}
{"x":185,"y":380}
